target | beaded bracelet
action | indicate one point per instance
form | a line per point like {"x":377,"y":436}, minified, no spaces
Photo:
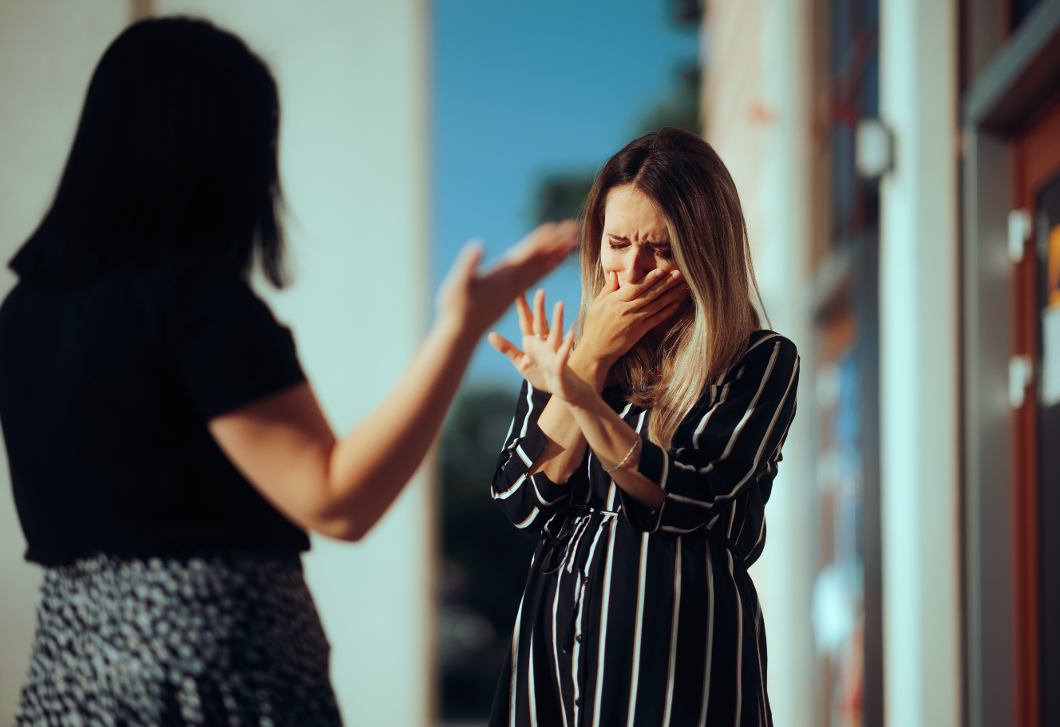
{"x":628,"y":455}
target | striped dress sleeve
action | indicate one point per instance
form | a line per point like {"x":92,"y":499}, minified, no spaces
{"x":528,"y":501}
{"x":735,"y":442}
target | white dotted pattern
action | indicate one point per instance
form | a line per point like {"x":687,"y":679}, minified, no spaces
{"x":228,"y":638}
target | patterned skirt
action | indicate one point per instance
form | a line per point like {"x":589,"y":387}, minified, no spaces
{"x":227,"y":637}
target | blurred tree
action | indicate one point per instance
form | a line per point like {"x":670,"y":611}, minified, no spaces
{"x":688,"y":13}
{"x":561,"y":197}
{"x":682,"y":108}
{"x":486,"y":558}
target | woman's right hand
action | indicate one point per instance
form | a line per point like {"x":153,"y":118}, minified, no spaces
{"x":620,"y":316}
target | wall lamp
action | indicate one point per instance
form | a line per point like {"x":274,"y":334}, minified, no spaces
{"x":873,"y":148}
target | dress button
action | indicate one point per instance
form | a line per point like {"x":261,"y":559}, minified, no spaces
{"x":578,"y":638}
{"x":576,"y":702}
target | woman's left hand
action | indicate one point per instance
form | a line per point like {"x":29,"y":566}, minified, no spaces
{"x":543,"y":359}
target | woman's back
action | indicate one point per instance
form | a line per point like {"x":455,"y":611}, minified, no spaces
{"x":105,"y":391}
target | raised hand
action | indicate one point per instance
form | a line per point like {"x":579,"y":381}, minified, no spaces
{"x":543,"y":360}
{"x":472,"y":301}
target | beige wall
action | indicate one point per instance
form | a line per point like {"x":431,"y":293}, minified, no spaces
{"x":353,"y":87}
{"x":48,"y":49}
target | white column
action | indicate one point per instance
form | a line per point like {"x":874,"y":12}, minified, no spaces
{"x":919,"y":366}
{"x":755,"y":102}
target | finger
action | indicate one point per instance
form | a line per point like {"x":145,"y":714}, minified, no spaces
{"x":556,"y":329}
{"x":467,"y":260}
{"x":610,"y":285}
{"x":654,"y":284}
{"x":676,"y":293}
{"x":523,"y":310}
{"x":505,"y":346}
{"x":540,"y":322}
{"x":564,"y":350}
{"x":661,"y":315}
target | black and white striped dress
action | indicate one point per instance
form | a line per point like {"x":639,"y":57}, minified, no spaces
{"x":632,"y":617}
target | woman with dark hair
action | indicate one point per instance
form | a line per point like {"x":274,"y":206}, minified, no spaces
{"x":645,"y":454}
{"x":167,"y":454}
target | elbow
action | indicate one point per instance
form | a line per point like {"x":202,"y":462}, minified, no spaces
{"x":347,"y":530}
{"x":338,"y":520}
{"x":342,"y":521}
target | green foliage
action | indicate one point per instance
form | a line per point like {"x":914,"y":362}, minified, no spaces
{"x":561,"y":197}
{"x":491,"y":555}
{"x":680,"y":110}
{"x":486,"y":558}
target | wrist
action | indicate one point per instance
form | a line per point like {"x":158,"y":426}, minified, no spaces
{"x":453,"y":331}
{"x":589,"y":369}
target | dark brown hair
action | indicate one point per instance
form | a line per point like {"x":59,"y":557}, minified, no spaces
{"x":175,"y":152}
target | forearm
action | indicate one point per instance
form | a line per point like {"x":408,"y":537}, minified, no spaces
{"x":612,"y":441}
{"x":369,"y":468}
{"x":566,"y":449}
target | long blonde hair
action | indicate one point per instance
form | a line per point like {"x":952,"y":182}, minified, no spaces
{"x":693,"y":190}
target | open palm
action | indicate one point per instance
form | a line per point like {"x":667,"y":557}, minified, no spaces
{"x":542,"y":361}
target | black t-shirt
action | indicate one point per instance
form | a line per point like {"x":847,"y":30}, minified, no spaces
{"x":105,"y":393}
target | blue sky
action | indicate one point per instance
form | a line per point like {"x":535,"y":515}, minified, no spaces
{"x":523,"y":90}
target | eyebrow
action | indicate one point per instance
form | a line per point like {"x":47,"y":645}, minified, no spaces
{"x":651,"y":243}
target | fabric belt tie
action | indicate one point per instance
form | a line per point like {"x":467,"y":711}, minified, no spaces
{"x":558,"y":548}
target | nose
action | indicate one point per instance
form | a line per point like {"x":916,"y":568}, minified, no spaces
{"x":639,"y":263}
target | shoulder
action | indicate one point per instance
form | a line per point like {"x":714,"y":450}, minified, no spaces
{"x":764,"y":346}
{"x":768,"y":356}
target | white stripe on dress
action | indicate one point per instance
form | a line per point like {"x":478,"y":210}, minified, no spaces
{"x":758,"y":455}
{"x":508,"y":493}
{"x":739,"y":643}
{"x":673,"y":637}
{"x":603,"y":628}
{"x":638,"y":631}
{"x":515,"y":664}
{"x":530,"y":684}
{"x":555,"y":646}
{"x":537,"y":492}
{"x":529,"y":520}
{"x":706,"y":417}
{"x":578,"y":628}
{"x":529,"y":409}
{"x":523,"y":456}
{"x":751,"y":407}
{"x":579,"y":591}
{"x":710,"y":639}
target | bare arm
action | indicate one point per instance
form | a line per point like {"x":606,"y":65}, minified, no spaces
{"x":285,"y":447}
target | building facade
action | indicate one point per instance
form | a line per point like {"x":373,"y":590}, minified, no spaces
{"x":899,"y":163}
